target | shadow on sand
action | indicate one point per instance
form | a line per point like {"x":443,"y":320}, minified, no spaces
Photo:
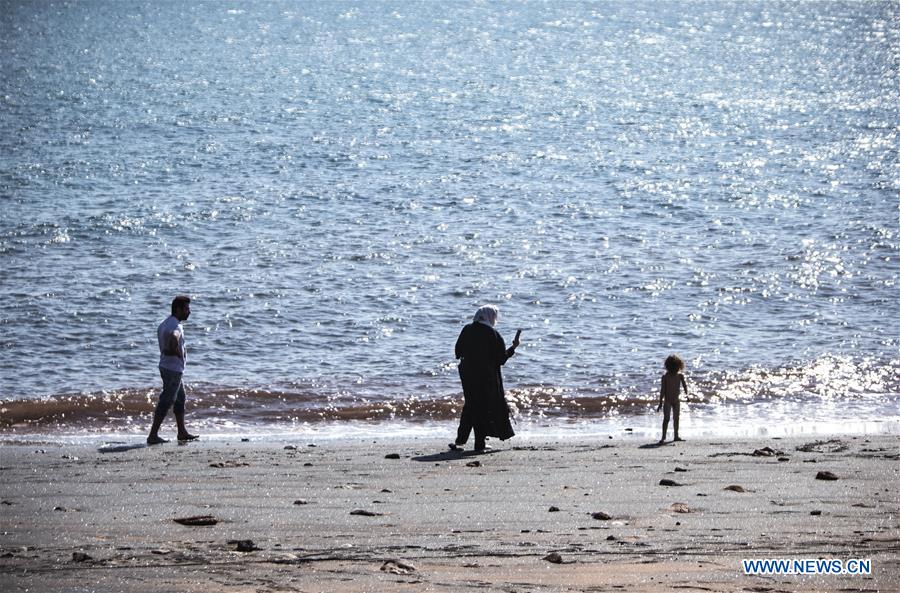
{"x":120,"y":447}
{"x":656,"y":445}
{"x":451,"y":455}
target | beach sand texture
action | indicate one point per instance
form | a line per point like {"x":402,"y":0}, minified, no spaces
{"x":342,"y":516}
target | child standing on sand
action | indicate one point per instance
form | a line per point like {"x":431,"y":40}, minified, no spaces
{"x":672,"y":382}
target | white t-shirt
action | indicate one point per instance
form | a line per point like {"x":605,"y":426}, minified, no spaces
{"x":164,"y":333}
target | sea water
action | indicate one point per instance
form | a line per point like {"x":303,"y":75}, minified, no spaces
{"x":339,"y":185}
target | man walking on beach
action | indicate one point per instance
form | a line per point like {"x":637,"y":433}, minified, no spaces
{"x":172,"y":354}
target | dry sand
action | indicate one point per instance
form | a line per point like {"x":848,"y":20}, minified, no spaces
{"x":76,"y":519}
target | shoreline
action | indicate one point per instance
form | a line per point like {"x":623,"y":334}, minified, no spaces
{"x":639,"y":429}
{"x":331,"y":515}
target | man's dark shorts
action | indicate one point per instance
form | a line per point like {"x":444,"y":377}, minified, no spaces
{"x":172,"y":393}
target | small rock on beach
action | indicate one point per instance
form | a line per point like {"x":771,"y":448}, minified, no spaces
{"x":766,"y":452}
{"x":397,"y":567}
{"x":365,"y":513}
{"x":243,"y":545}
{"x":197,"y":520}
{"x":553,"y":557}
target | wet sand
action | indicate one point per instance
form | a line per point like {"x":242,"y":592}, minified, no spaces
{"x":340,"y":516}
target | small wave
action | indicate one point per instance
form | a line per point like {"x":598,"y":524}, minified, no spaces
{"x":130,"y":407}
{"x":863,"y":387}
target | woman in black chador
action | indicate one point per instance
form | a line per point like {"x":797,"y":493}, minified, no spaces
{"x":482,"y":352}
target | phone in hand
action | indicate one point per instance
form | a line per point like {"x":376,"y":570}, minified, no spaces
{"x":518,"y":335}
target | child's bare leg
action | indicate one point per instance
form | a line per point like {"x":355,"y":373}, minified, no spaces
{"x":665,"y":427}
{"x":675,"y":414}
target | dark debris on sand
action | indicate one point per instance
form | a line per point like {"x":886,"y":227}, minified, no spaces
{"x":243,"y":545}
{"x":197,"y":520}
{"x":365,"y":513}
{"x":829,"y":446}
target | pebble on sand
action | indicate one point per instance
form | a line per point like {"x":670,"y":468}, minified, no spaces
{"x":553,"y":510}
{"x":81,"y":557}
{"x":365,"y":513}
{"x":668,"y":482}
{"x":197,"y":520}
{"x":392,"y":456}
{"x":823,"y":475}
{"x":553,"y":557}
{"x":301,"y":501}
{"x":243,"y":545}
{"x":398,"y":567}
{"x":601,"y":516}
{"x":767,"y":452}
{"x":735,"y":488}
{"x":680,"y":507}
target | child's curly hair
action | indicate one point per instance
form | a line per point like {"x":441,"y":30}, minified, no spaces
{"x":674,"y":364}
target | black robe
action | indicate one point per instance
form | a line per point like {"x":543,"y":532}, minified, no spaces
{"x":482,"y":352}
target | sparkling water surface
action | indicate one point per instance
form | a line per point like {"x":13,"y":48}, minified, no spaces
{"x":340,"y":185}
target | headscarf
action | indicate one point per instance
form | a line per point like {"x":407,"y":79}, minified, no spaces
{"x":487,"y":314}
